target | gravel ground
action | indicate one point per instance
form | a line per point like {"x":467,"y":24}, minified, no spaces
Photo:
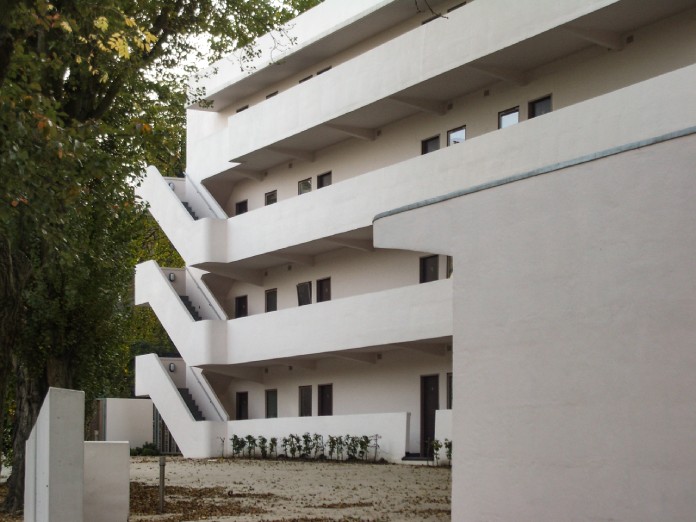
{"x":289,"y":491}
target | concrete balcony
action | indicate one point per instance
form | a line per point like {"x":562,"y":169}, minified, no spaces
{"x":400,"y":315}
{"x":418,"y":72}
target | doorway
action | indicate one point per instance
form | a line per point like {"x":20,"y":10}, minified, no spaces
{"x":242,"y":406}
{"x":430,"y":391}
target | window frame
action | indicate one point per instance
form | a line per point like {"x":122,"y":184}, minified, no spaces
{"x":268,"y":392}
{"x":272,"y":193}
{"x":507,"y":112}
{"x":531,"y":104}
{"x":423,"y":268}
{"x":321,"y":180}
{"x":237,"y":206}
{"x":425,"y":142}
{"x":320,"y":288}
{"x":309,"y":286}
{"x":274,"y":292}
{"x":307,"y":389}
{"x":452,"y":131}
{"x":323,"y":409}
{"x":299,"y":186}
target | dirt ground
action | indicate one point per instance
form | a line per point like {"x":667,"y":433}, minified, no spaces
{"x":286,"y":491}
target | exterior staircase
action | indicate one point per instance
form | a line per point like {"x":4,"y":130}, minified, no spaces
{"x":190,"y":210}
{"x":189,"y":306}
{"x":191,"y":404}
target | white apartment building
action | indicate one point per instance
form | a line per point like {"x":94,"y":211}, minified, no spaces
{"x":289,"y":317}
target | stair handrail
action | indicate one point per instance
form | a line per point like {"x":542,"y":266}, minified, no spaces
{"x":204,"y":294}
{"x":215,"y":213}
{"x":207,"y":395}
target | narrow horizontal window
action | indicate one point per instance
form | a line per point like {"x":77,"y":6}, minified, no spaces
{"x":456,"y":7}
{"x":322,"y":71}
{"x":305,"y":79}
{"x":243,"y":108}
{"x":271,"y":95}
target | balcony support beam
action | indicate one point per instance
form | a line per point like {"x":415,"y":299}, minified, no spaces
{"x":362,"y":133}
{"x":253,"y":277}
{"x":255,"y":175}
{"x":433,"y":107}
{"x":609,"y":39}
{"x":304,"y":155}
{"x":359,"y":244}
{"x":506,"y":74}
{"x":298,"y":259}
{"x":428,"y":349}
{"x":369,"y":358}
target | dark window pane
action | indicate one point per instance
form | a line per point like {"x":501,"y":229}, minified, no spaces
{"x":305,"y":401}
{"x":450,"y":266}
{"x":240,"y":207}
{"x":271,"y":197}
{"x":325,"y":399}
{"x":539,"y":107}
{"x":430,"y":145}
{"x":272,"y":300}
{"x":324,"y":290}
{"x":449,"y":391}
{"x":304,"y":293}
{"x":324,"y":180}
{"x":240,"y":306}
{"x":429,"y":269}
{"x":271,"y":404}
{"x":242,"y":405}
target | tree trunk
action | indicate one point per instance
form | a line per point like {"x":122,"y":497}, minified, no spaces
{"x":31,"y":390}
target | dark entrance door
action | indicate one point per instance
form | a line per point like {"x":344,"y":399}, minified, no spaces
{"x":242,"y":405}
{"x":325,"y":399}
{"x":429,"y":404}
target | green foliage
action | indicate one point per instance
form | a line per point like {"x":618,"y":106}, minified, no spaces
{"x":149,"y":449}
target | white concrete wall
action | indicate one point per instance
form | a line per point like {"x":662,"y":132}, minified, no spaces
{"x":107,"y":481}
{"x":392,"y":428}
{"x":128,"y":419}
{"x":389,"y":384}
{"x":196,"y":439}
{"x":574,"y":330}
{"x":55,"y":459}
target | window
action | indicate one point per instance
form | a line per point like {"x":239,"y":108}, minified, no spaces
{"x":456,"y":7}
{"x":449,"y":391}
{"x":271,"y":197}
{"x":430,"y":145}
{"x":428,"y":20}
{"x":304,"y":186}
{"x":539,"y":107}
{"x":304,"y":293}
{"x":306,"y":78}
{"x":429,"y":269}
{"x":271,"y":404}
{"x":455,"y":136}
{"x":450,"y":266}
{"x":241,"y":207}
{"x":305,"y":401}
{"x":324,"y":180}
{"x":243,"y":108}
{"x":322,"y":71}
{"x":323,"y":290}
{"x":325,"y":399}
{"x":508,"y":117}
{"x":242,"y":405}
{"x":240,"y":306}
{"x":271,"y":95}
{"x":272,"y":300}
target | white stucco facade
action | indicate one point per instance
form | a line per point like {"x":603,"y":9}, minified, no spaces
{"x":289,"y":167}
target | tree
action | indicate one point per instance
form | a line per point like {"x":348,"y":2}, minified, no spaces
{"x":88,"y":97}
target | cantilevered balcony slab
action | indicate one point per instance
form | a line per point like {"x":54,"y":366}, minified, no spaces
{"x":426,"y":67}
{"x":389,"y":317}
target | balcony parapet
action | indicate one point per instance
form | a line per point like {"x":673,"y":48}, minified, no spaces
{"x":398,"y":315}
{"x":385,"y":71}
